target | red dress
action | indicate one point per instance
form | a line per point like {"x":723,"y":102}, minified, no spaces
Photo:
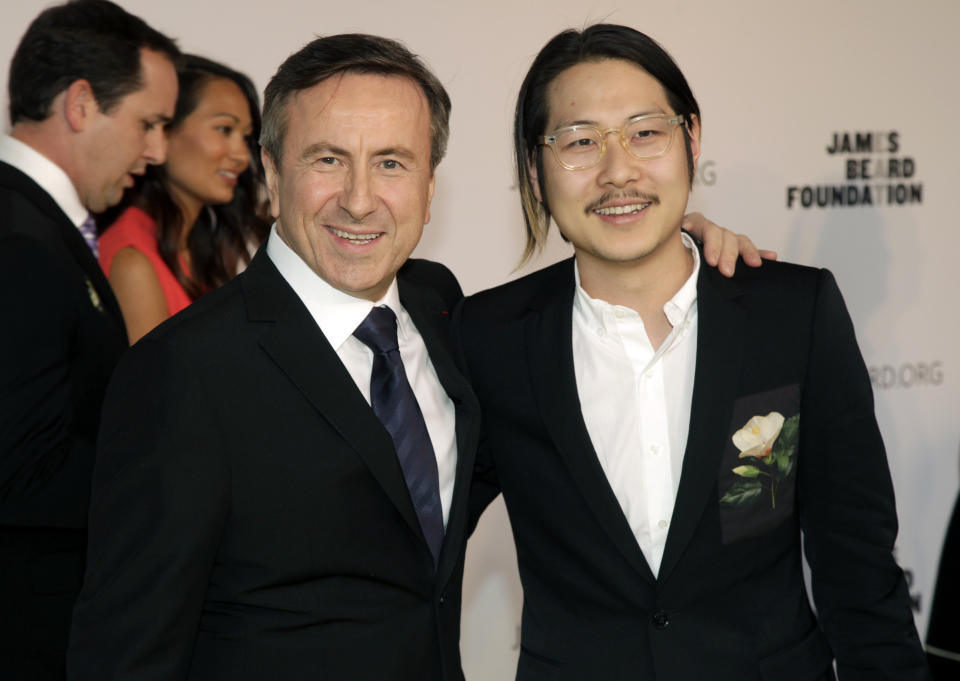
{"x":137,"y":229}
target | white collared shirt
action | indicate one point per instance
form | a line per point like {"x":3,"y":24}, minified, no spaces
{"x":636,"y":403}
{"x":339,"y":314}
{"x":51,"y":177}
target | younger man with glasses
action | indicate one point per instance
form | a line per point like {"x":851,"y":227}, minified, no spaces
{"x":662,"y":435}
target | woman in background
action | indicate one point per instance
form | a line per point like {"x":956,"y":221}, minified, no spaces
{"x":190,"y":224}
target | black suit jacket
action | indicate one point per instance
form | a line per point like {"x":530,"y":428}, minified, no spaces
{"x":249,"y":517}
{"x":729,"y":602}
{"x":943,"y":630}
{"x":62,"y":335}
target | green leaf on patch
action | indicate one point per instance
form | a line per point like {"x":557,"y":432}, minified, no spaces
{"x":784,"y":463}
{"x":784,"y":449}
{"x":742,"y":493}
{"x":747,"y":471}
{"x":789,"y":434}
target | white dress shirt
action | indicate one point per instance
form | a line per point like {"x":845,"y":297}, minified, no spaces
{"x":636,"y":403}
{"x":339,"y":314}
{"x":51,"y":177}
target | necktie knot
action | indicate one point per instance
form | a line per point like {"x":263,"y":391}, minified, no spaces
{"x":378,"y":330}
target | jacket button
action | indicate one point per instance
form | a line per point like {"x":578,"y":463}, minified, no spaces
{"x":442,"y":599}
{"x":660,"y":619}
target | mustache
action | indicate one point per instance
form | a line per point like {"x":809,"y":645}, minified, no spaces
{"x":652,"y":199}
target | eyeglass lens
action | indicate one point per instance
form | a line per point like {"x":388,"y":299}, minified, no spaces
{"x":646,"y":138}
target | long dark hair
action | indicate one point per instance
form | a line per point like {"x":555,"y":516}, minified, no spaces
{"x":219,"y":241}
{"x":564,"y":50}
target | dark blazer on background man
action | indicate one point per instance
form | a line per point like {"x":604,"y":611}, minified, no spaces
{"x":943,"y":629}
{"x":249,"y":517}
{"x":729,"y":603}
{"x":62,"y":336}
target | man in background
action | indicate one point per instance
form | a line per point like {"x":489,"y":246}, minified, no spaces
{"x":90,"y":89}
{"x":663,"y":435}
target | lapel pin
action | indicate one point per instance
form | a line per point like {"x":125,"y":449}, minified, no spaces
{"x":94,"y":296}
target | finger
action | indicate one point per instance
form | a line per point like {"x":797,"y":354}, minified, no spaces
{"x":729,"y":251}
{"x":748,"y":251}
{"x":694,"y":223}
{"x":712,"y":249}
{"x":708,"y":233}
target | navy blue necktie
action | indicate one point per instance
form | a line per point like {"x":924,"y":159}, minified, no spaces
{"x":396,"y":406}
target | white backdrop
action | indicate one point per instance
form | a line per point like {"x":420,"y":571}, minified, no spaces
{"x":776,"y":81}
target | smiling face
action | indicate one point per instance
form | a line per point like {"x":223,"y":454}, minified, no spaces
{"x":623,"y":210}
{"x":208,"y":150}
{"x":122,"y":142}
{"x":352,"y":192}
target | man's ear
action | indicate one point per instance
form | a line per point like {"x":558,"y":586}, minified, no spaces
{"x":430,"y":187}
{"x":693,"y":131}
{"x":534,"y":178}
{"x":79,"y":105}
{"x":273,"y":182}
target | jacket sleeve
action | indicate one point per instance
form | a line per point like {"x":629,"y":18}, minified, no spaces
{"x":485,"y":486}
{"x":847,"y":508}
{"x":45,"y":458}
{"x":159,"y":501}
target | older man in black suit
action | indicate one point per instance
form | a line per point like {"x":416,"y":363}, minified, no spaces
{"x":90,"y":89}
{"x":258,"y":509}
{"x":662,"y":435}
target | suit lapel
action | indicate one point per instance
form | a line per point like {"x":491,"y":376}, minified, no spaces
{"x":91,"y":268}
{"x":69,"y":236}
{"x":301,"y":351}
{"x":432,"y":320}
{"x":549,"y":346}
{"x":719,"y":358}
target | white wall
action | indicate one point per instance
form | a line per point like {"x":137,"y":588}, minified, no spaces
{"x":775,"y":82}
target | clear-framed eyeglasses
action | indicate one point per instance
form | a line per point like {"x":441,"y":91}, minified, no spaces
{"x":579,"y":147}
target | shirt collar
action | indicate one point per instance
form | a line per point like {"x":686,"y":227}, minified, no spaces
{"x":338,"y":314}
{"x":679,"y":306}
{"x":51,"y":177}
{"x":676,"y":309}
